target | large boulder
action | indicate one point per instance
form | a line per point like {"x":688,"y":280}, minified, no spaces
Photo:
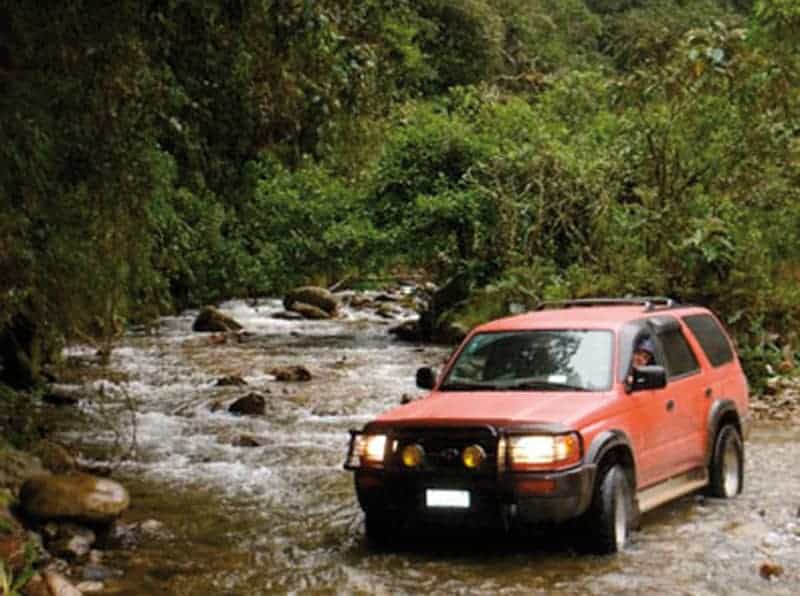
{"x":313,"y":296}
{"x":80,"y":497}
{"x":213,"y":320}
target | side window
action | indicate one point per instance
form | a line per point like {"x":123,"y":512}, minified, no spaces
{"x":679,"y":356}
{"x":711,"y":338}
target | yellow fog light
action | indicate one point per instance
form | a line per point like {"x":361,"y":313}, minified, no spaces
{"x":473,"y":456}
{"x":412,"y":455}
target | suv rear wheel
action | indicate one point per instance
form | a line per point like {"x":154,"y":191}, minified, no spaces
{"x":726,"y":470}
{"x":611,"y":513}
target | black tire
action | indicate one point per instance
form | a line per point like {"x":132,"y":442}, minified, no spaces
{"x":726,"y":470}
{"x":611,"y":515}
{"x":380,"y":529}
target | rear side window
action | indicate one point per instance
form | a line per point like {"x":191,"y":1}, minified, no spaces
{"x":711,"y":338}
{"x":680,"y":358}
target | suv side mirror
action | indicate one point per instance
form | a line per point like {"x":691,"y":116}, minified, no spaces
{"x":649,"y":377}
{"x":426,"y":377}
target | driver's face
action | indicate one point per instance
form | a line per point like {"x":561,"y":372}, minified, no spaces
{"x":641,"y":358}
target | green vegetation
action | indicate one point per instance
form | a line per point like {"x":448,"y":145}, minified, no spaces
{"x":170,"y":153}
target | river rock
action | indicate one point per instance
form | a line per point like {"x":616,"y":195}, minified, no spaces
{"x":386,"y":310}
{"x":314,"y":296}
{"x":408,"y":331}
{"x":231,"y":381}
{"x":16,"y":467}
{"x":61,"y":396}
{"x":79,"y":496}
{"x":247,"y":441}
{"x":212,"y":320}
{"x":251,"y":404}
{"x":288,"y":315}
{"x":50,"y":583}
{"x":54,"y":457}
{"x":71,"y":542}
{"x":768,"y":570}
{"x":309,"y":311}
{"x":91,"y":587}
{"x":291,"y":373}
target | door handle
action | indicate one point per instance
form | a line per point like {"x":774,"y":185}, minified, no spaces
{"x":708,"y":392}
{"x":670,"y":405}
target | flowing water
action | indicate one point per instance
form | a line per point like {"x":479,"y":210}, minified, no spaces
{"x":282,"y":517}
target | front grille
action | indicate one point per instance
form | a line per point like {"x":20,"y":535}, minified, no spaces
{"x":443,"y":447}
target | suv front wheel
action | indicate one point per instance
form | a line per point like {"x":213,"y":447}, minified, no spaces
{"x":611,"y":512}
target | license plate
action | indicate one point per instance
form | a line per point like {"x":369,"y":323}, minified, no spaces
{"x":447,"y":498}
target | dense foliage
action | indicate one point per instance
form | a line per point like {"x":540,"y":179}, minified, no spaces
{"x":174,"y":152}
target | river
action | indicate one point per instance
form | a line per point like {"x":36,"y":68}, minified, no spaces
{"x":282,"y":517}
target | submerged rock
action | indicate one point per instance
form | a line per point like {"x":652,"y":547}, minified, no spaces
{"x":231,"y":381}
{"x":79,"y":496}
{"x":309,"y":311}
{"x":251,"y":404}
{"x":288,"y":315}
{"x":213,"y":320}
{"x":247,"y":441}
{"x":291,"y":373}
{"x":313,"y":296}
{"x":408,"y":331}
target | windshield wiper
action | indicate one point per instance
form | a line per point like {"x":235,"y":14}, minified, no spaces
{"x":461,"y":386}
{"x":544,"y":385}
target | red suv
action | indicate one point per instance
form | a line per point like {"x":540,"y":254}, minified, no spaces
{"x":596,"y":409}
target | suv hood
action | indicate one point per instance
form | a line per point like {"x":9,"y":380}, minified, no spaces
{"x":500,"y":407}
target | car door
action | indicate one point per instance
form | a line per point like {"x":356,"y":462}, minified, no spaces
{"x":683,"y":397}
{"x":658,"y":426}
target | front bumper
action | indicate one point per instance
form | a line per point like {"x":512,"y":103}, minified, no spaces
{"x":529,"y":497}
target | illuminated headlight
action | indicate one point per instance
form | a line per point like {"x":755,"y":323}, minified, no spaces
{"x":535,"y":451}
{"x":368,"y":450}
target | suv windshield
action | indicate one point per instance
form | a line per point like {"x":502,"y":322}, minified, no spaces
{"x":549,"y":360}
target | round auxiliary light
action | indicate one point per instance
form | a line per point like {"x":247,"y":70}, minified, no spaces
{"x":412,"y":455}
{"x":473,"y":456}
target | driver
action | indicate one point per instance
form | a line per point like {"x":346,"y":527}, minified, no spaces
{"x":644,"y":353}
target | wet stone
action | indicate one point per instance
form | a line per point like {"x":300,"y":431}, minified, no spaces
{"x":75,"y":496}
{"x":251,"y":404}
{"x":91,"y":587}
{"x":769,"y":570}
{"x":212,"y":320}
{"x":247,"y":441}
{"x":98,"y":573}
{"x":231,"y":381}
{"x":291,"y":374}
{"x":69,"y":541}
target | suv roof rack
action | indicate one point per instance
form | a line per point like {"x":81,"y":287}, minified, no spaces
{"x":648,"y":302}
